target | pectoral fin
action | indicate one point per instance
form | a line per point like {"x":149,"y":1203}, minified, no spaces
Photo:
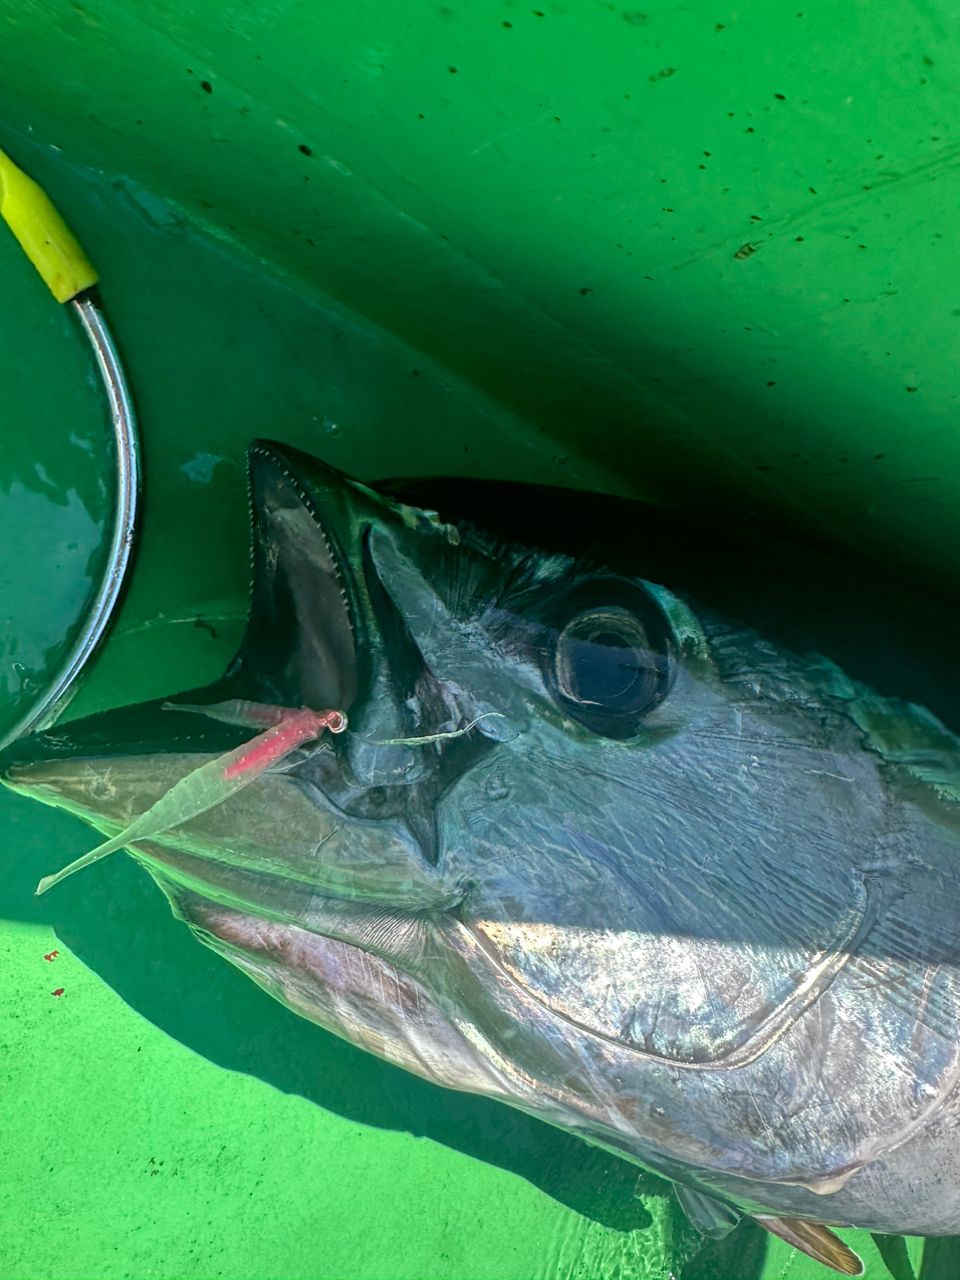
{"x":816,"y":1241}
{"x":712,"y":1218}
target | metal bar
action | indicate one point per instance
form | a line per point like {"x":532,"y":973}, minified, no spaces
{"x":126,"y":507}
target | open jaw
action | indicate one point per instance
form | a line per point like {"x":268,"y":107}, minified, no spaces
{"x":232,"y":774}
{"x":307,"y":623}
{"x":302,"y":640}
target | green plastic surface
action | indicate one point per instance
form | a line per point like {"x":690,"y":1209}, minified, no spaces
{"x":582,"y":243}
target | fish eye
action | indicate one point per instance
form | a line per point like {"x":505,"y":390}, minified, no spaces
{"x":603,"y":658}
{"x":611,"y":666}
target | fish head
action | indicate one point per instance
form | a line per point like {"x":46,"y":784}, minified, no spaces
{"x":469,"y":667}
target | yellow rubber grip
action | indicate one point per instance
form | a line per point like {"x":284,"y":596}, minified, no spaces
{"x":44,"y":236}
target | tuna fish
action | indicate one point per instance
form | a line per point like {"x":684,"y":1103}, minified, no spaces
{"x":645,"y":827}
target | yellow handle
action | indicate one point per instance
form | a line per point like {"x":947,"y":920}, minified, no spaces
{"x":44,"y":236}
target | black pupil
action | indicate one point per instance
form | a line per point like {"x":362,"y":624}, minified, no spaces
{"x":603,"y":667}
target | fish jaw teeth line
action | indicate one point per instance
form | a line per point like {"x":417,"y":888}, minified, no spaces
{"x":261,"y":452}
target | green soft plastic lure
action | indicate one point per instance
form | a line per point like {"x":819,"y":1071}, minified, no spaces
{"x":215,"y":781}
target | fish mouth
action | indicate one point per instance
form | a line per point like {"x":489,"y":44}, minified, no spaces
{"x":302,"y":646}
{"x":307,"y":626}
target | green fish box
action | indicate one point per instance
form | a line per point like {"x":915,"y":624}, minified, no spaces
{"x":704,"y":255}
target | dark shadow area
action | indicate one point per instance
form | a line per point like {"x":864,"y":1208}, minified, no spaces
{"x":941,"y":1259}
{"x":893,"y":1251}
{"x":888,"y":629}
{"x":739,"y":1256}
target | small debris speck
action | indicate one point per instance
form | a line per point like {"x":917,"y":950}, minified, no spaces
{"x":206,"y":86}
{"x":506,"y":24}
{"x":583,"y":292}
{"x":304,"y":149}
{"x":781,"y":97}
{"x":452,"y":70}
{"x":911,"y":389}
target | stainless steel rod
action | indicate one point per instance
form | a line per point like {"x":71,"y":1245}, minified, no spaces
{"x":126,"y":507}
